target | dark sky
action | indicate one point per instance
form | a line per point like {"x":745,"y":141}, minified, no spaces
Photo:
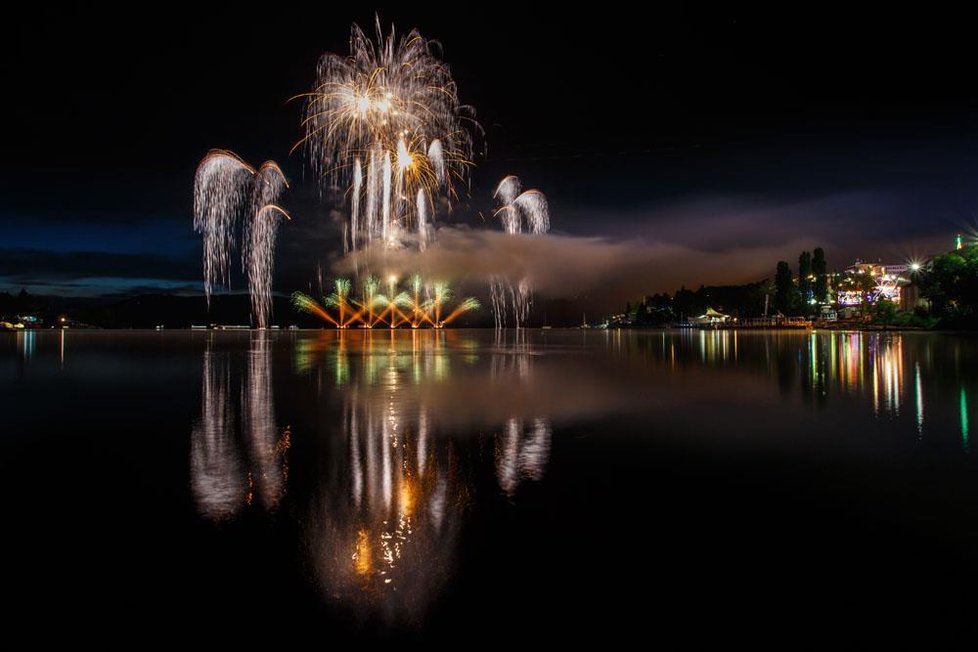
{"x":703,"y":145}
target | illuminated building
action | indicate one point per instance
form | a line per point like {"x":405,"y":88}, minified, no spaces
{"x":867,"y":283}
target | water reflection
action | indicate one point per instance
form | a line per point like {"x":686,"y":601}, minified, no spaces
{"x":384,"y":525}
{"x":920,"y":400}
{"x":851,"y":363}
{"x":406,"y":434}
{"x":26,"y":344}
{"x":891,"y":376}
{"x":232,"y":458}
{"x":522,"y":453}
{"x":964,"y":421}
{"x":522,"y":449}
{"x":385,"y":520}
{"x":216,"y":466}
{"x":888,"y":375}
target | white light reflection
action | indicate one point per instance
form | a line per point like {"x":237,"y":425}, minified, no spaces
{"x":27,"y":343}
{"x":920,"y":402}
{"x":225,"y":469}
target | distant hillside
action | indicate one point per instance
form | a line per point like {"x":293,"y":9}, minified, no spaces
{"x":181,"y":311}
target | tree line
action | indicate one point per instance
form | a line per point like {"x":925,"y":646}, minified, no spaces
{"x":812,"y":287}
{"x":742,"y":301}
{"x":949,"y":282}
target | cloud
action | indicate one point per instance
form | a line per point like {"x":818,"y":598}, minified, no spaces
{"x":864,"y":219}
{"x":90,"y":272}
{"x":718,"y":240}
{"x":712,"y":242}
{"x":569,"y":267}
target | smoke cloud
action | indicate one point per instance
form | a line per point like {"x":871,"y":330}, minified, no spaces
{"x":605,"y":272}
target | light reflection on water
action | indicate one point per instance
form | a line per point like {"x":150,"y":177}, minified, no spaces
{"x":384,"y":528}
{"x":964,"y":421}
{"x":383,"y":523}
{"x":846,"y":363}
{"x":449,"y":477}
{"x":234,"y":454}
{"x":26,"y":343}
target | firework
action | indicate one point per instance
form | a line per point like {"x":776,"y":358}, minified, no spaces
{"x":385,"y":122}
{"x":307,"y":304}
{"x":222,"y":185}
{"x":259,"y":254}
{"x":518,"y":212}
{"x":421,"y":305}
{"x":220,"y":189}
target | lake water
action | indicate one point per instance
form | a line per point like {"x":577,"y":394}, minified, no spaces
{"x":463,"y":483}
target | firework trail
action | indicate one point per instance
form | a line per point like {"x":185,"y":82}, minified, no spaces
{"x":508,"y":189}
{"x":228,"y":191}
{"x":532,"y":207}
{"x":420,"y":305}
{"x":259,"y":253}
{"x":423,"y":230}
{"x":518,"y":212}
{"x":305,"y":303}
{"x":220,"y":190}
{"x":391,"y":102}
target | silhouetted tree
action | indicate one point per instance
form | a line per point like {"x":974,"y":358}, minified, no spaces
{"x":804,"y":272}
{"x":821,"y":278}
{"x":684,"y":304}
{"x":784,"y":288}
{"x":951,"y":282}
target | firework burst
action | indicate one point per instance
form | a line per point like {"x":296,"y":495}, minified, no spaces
{"x":385,"y":123}
{"x":422,"y":305}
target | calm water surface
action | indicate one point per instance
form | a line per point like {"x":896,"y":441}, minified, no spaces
{"x":422,"y":484}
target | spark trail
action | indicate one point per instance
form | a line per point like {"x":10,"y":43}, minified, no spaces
{"x":232,"y":200}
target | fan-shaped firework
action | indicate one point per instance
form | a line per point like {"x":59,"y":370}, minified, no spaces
{"x":385,"y":123}
{"x":424,"y":305}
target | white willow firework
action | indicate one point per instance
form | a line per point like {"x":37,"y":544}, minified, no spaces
{"x":221,"y":187}
{"x":385,"y":123}
{"x":258,"y":258}
{"x":219,"y":193}
{"x":518,"y":212}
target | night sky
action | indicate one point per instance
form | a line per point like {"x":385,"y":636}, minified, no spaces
{"x":698,"y":148}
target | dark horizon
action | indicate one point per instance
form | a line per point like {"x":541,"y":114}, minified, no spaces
{"x":698,"y":149}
